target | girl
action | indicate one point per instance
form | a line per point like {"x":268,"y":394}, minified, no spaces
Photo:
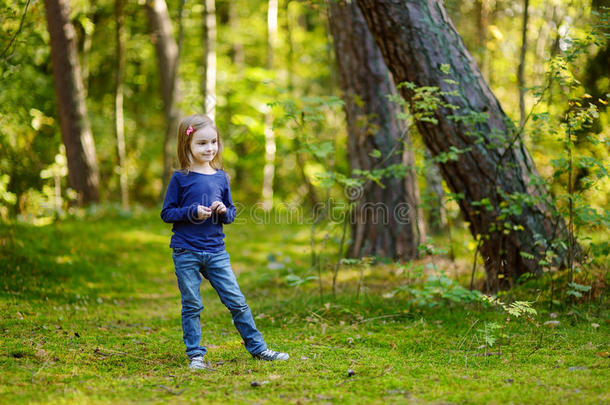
{"x":198,"y":202}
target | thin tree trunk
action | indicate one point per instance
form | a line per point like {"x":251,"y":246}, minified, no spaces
{"x":554,"y":49}
{"x":238,"y":47}
{"x":416,"y":38}
{"x":208,"y":85}
{"x":490,"y":52}
{"x":237,"y":57}
{"x":542,"y":39}
{"x":412,"y":196}
{"x":482,"y":7}
{"x":289,"y":43}
{"x":167,"y":50}
{"x":269,"y":169}
{"x":118,"y":100}
{"x":385,"y":220}
{"x":86,"y":51}
{"x":436,"y":208}
{"x":83,"y":173}
{"x":312,"y":196}
{"x":521,"y":69}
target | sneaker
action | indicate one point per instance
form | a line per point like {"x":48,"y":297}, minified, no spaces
{"x":197,"y":363}
{"x":271,"y":355}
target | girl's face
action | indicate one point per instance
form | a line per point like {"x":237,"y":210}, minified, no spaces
{"x":204,"y":146}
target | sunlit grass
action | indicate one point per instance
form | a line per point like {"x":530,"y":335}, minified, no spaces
{"x":90,"y":313}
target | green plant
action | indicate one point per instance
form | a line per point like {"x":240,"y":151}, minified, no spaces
{"x":437,"y":290}
{"x":489,"y":331}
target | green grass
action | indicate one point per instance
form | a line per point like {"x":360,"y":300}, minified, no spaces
{"x":90,"y":313}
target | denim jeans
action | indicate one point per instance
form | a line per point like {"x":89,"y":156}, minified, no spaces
{"x":216,"y":268}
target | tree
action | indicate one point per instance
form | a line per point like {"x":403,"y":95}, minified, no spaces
{"x":270,"y":146}
{"x":483,"y":15}
{"x":493,"y":171}
{"x":435,"y":202}
{"x":119,"y":121}
{"x":83,"y":173}
{"x":521,"y":68}
{"x":311,"y":194}
{"x":208,"y":82}
{"x":377,"y":139}
{"x":168,"y":57}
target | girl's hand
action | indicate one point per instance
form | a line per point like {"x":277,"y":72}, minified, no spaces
{"x":219,"y":207}
{"x":203,"y":212}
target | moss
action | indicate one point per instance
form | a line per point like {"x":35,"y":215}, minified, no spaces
{"x":94,"y":317}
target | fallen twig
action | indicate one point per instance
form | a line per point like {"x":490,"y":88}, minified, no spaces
{"x":377,"y":317}
{"x":119,"y":353}
{"x":38,"y":371}
{"x":487,"y":354}
{"x":171,"y":391}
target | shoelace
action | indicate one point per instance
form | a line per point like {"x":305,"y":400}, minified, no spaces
{"x":197,"y":361}
{"x":271,"y":354}
{"x":200,"y":362}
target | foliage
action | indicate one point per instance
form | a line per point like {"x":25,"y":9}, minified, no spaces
{"x":566,"y":130}
{"x":293,"y":280}
{"x":515,"y":309}
{"x":440,"y":289}
{"x":30,"y":137}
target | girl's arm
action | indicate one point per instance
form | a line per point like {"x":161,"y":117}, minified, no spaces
{"x":171,"y":212}
{"x":229,"y":216}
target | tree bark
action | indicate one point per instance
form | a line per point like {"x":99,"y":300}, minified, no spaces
{"x":385,"y":220}
{"x":83,"y":173}
{"x":416,"y":39}
{"x":167,"y":50}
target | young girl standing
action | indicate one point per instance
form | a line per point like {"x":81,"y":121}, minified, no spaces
{"x":198,"y":202}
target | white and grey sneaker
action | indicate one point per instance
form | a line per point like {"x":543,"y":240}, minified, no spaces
{"x":271,"y":355}
{"x":197,"y":363}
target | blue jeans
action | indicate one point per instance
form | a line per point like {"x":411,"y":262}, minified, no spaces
{"x":216,"y":268}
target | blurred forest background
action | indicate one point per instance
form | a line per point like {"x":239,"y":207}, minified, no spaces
{"x":275,"y":76}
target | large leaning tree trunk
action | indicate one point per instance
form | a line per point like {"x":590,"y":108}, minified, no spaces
{"x":417,"y":38}
{"x":384,"y":220}
{"x":83,"y":173}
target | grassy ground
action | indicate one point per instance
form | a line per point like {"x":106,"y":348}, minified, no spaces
{"x":90,"y":313}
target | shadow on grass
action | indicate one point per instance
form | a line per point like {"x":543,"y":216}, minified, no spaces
{"x":69,"y":259}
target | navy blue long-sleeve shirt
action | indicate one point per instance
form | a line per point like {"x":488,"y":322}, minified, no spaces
{"x":184,"y":193}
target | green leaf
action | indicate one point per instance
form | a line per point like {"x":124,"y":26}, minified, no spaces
{"x":376,"y":153}
{"x":526,"y":255}
{"x":580,"y":287}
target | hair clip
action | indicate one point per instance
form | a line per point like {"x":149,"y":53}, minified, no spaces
{"x":189,"y":130}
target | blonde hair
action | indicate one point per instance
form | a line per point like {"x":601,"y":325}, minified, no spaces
{"x":197,"y":122}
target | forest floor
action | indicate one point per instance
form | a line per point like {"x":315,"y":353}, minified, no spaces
{"x":90,"y":313}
